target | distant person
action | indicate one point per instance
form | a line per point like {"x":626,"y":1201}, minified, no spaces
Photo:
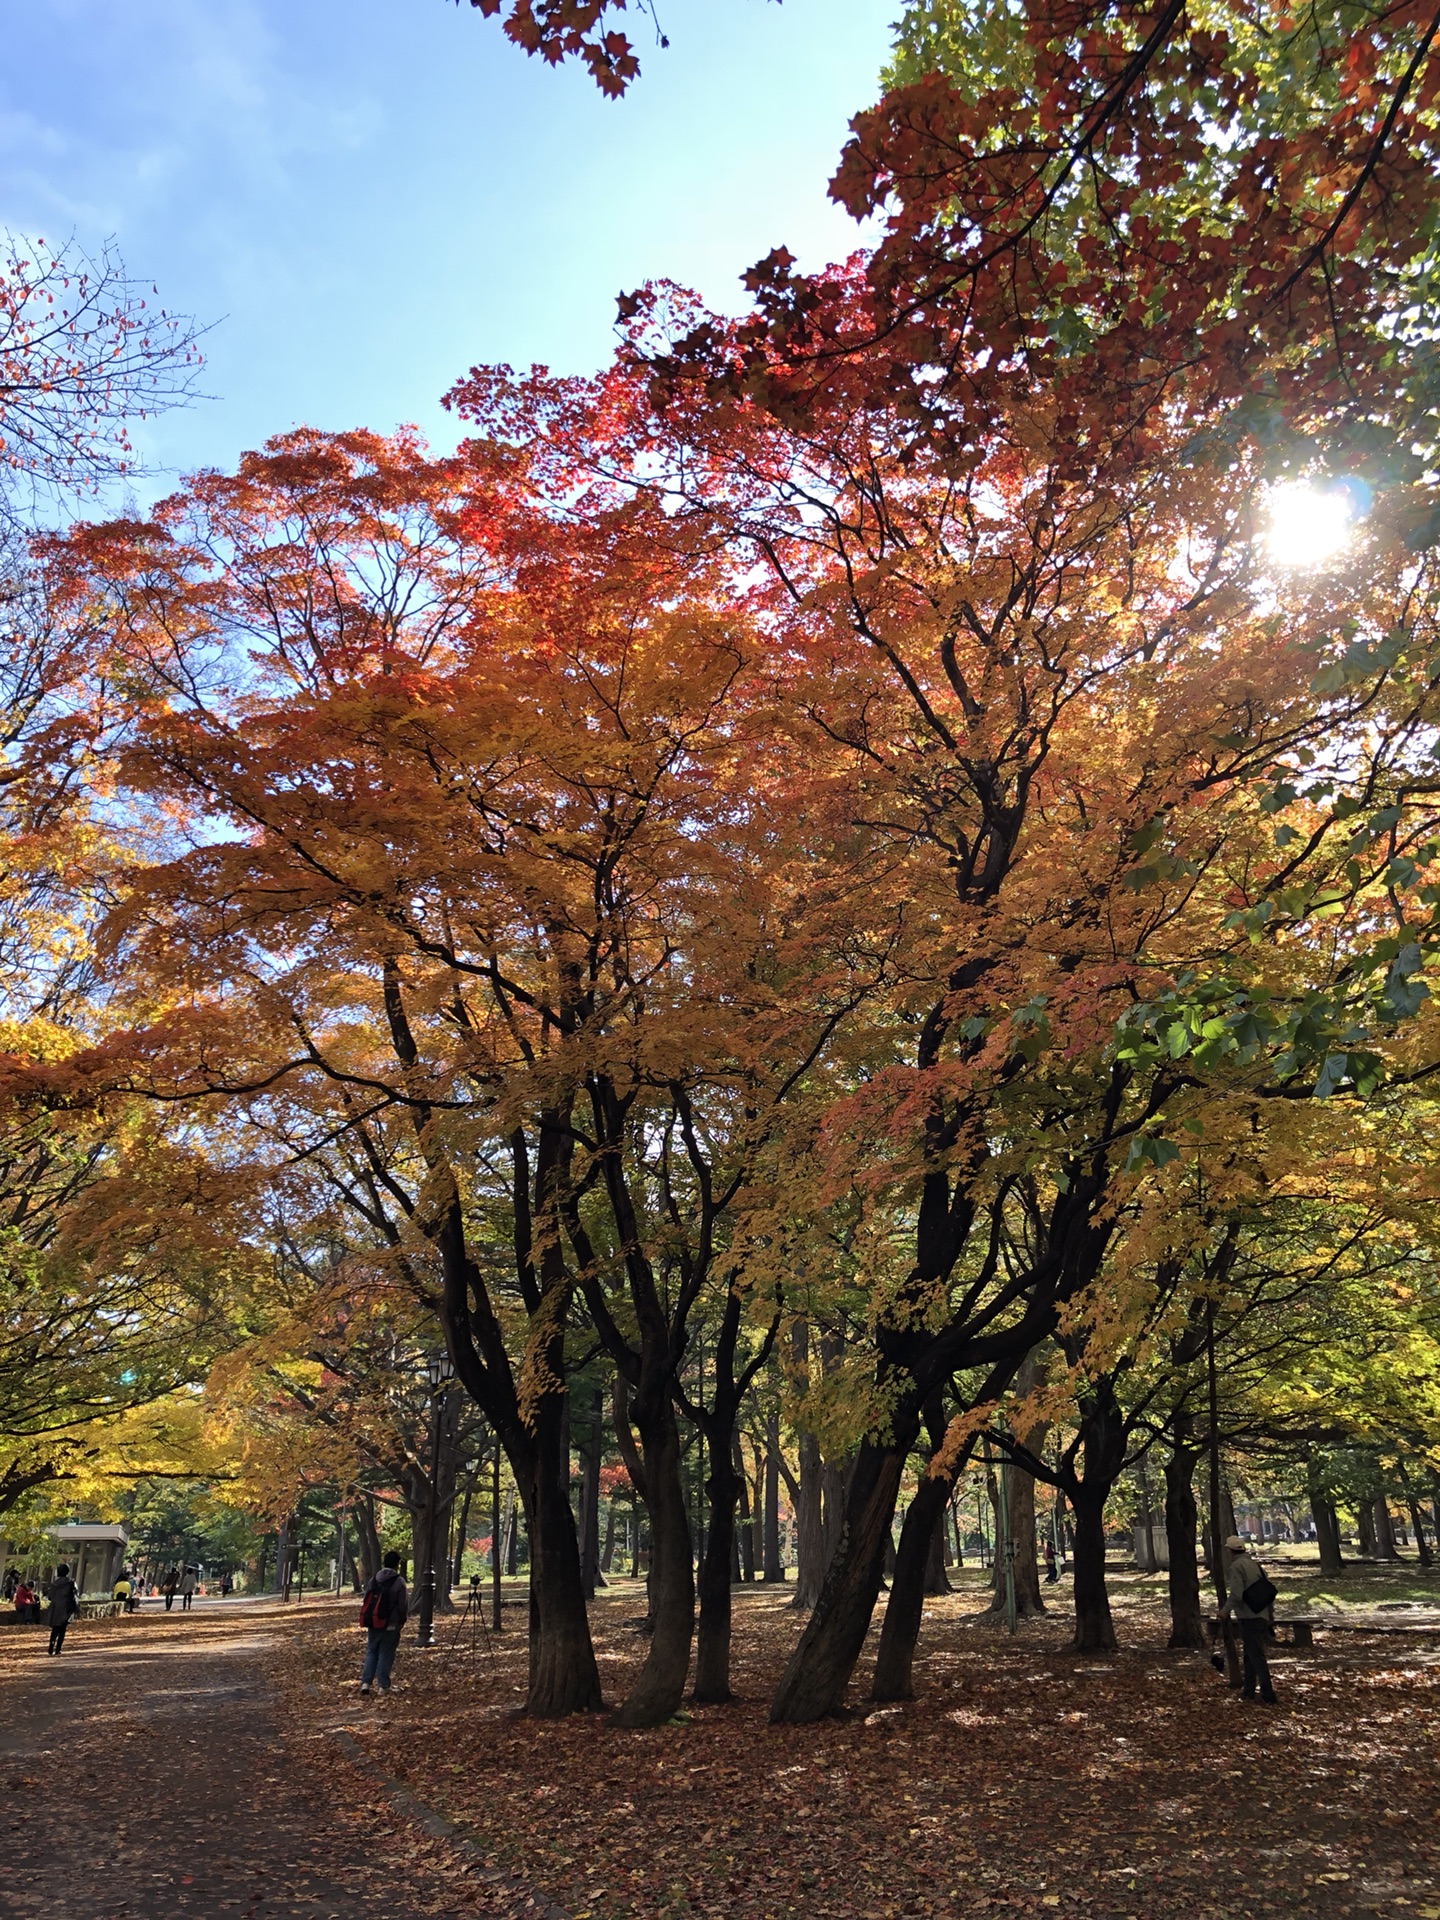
{"x":27,"y":1603}
{"x":188,"y":1584}
{"x":172,"y":1581}
{"x":227,"y":1586}
{"x":123,"y":1590}
{"x":64,"y":1598}
{"x":383,"y":1612}
{"x":1052,"y":1572}
{"x":1250,"y":1598}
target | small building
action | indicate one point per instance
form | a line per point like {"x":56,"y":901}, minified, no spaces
{"x":94,"y":1554}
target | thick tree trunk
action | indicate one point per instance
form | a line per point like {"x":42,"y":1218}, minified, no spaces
{"x":814,"y":1682}
{"x":1020,"y":1512}
{"x":1365,"y":1527}
{"x":809,"y":1526}
{"x":1103,"y":1453}
{"x":1187,"y":1618}
{"x":563,"y":1675}
{"x":1094,"y":1628}
{"x":1417,"y":1524}
{"x":659,"y":1690}
{"x":1385,"y":1547}
{"x":1327,"y":1525}
{"x":772,"y":1567}
{"x":712,"y":1640}
{"x":905,"y":1608}
{"x":937,"y":1581}
{"x":368,"y":1536}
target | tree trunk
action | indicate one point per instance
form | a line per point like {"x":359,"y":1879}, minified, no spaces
{"x":1365,"y":1527}
{"x":590,"y":1497}
{"x":1147,"y":1523}
{"x":1385,"y":1547}
{"x":905,"y":1608}
{"x":659,"y":1689}
{"x":1094,"y":1629}
{"x":1327,"y":1525}
{"x":1020,"y":1510}
{"x":368,"y":1536}
{"x":607,"y":1551}
{"x":1103,"y":1454}
{"x":563,"y":1675}
{"x":809,"y":1526}
{"x":937,"y":1581}
{"x":712,"y":1642}
{"x":1417,"y":1523}
{"x":814,"y":1682}
{"x":745,"y":1569}
{"x":1187,"y":1617}
{"x":772,"y":1566}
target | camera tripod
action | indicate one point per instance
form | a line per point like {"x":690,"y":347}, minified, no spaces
{"x":470,"y":1632}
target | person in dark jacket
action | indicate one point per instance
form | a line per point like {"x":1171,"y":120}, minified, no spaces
{"x":1244,"y":1571}
{"x":383,"y":1612}
{"x":64,"y":1598}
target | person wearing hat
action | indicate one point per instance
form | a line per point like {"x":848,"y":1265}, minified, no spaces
{"x":1244,"y":1571}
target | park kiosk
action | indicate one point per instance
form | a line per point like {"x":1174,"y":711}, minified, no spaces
{"x":94,"y":1554}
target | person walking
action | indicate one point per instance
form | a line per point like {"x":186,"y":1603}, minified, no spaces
{"x":188,"y":1584}
{"x":1250,"y":1597}
{"x":383,"y":1612}
{"x":64,"y":1598}
{"x":172,"y":1581}
{"x":1052,"y":1572}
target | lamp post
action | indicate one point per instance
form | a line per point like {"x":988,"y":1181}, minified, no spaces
{"x":438,"y":1375}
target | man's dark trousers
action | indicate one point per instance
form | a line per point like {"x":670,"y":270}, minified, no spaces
{"x":1257,"y":1667}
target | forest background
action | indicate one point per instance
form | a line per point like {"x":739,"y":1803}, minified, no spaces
{"x":836,"y":914}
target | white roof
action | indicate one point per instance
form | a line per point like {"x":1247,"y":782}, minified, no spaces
{"x":79,"y":1535}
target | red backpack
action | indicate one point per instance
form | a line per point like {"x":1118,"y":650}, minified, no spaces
{"x":375,"y":1607}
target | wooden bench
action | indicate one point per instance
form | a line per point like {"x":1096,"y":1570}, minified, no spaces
{"x":1302,"y":1627}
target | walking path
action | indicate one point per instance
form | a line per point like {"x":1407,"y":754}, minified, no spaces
{"x":143,"y":1773}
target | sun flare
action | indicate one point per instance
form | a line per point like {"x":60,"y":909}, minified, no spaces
{"x":1308,"y":525}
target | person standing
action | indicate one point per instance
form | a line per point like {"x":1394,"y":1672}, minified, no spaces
{"x":1250,"y":1597}
{"x":27,"y":1604}
{"x":188,"y":1584}
{"x":383,"y":1612}
{"x":172,"y":1581}
{"x":64,"y":1598}
{"x":1052,"y":1572}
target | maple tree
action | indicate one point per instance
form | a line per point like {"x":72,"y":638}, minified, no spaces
{"x":83,"y":355}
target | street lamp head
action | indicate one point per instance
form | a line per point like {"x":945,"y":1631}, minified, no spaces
{"x":438,"y":1370}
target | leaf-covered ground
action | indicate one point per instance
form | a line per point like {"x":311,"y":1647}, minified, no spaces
{"x":1024,"y":1780}
{"x":147,"y":1772}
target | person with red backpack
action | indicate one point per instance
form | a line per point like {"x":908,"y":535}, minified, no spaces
{"x":384,"y":1610}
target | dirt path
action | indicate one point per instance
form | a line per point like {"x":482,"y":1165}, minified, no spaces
{"x":142,"y":1773}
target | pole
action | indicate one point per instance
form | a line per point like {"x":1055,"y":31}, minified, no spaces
{"x":426,"y":1635}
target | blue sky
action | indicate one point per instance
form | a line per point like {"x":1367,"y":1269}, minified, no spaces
{"x":369,"y":196}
